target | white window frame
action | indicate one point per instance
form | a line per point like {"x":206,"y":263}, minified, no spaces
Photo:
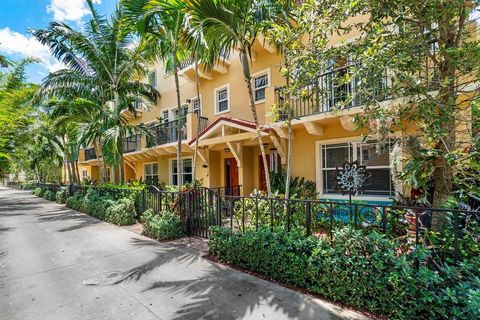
{"x":319,"y":170}
{"x":258,"y":74}
{"x":170,"y":169}
{"x":215,"y":93}
{"x":192,"y":104}
{"x":145,"y":171}
{"x":84,"y":174}
{"x":167,"y":119}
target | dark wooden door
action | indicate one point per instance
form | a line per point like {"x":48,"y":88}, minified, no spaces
{"x":231,"y":172}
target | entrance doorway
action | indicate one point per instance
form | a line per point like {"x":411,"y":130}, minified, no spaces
{"x":231,"y":176}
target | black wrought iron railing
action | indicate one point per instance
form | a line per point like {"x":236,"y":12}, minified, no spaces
{"x":167,"y":132}
{"x":332,"y":90}
{"x":90,"y":154}
{"x":132,"y":143}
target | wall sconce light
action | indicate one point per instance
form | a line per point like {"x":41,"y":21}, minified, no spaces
{"x":205,"y":166}
{"x":227,"y":149}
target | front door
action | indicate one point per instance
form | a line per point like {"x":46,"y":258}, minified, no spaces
{"x":231,"y":175}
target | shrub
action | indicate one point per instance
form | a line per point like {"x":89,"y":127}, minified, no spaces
{"x":49,"y":195}
{"x":76,"y":201}
{"x":121,"y":212}
{"x":164,"y":226}
{"x":96,"y":205}
{"x":39,"y":192}
{"x":361,"y":270}
{"x":61,"y":196}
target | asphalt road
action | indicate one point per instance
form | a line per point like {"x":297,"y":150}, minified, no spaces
{"x":56,"y":263}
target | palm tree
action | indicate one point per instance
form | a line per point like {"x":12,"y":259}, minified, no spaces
{"x":237,"y":24}
{"x":101,"y":67}
{"x":161,"y":25}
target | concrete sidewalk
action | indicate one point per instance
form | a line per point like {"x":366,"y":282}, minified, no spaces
{"x":56,"y":263}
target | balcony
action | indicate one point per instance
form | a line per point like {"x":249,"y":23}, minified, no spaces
{"x":340,"y":89}
{"x":167,"y":132}
{"x":90,"y":154}
{"x":132,"y":143}
{"x":331,"y":92}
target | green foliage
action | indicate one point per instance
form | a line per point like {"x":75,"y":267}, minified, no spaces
{"x":39,"y":192}
{"x":121,"y":212}
{"x":362,"y":270}
{"x":299,"y":187}
{"x":61,"y":196}
{"x":95,"y":205}
{"x":163,"y":226}
{"x":16,"y":116}
{"x":49,"y":195}
{"x":76,"y":201}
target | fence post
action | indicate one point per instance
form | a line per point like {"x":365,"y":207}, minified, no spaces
{"x":143,"y":200}
{"x":256,"y":212}
{"x":309,"y":217}
{"x":188,"y":214}
{"x":455,"y":230}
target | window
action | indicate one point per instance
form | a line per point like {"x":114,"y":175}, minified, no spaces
{"x":184,"y":112}
{"x":109,"y":171}
{"x":196,"y":104}
{"x":151,"y":173}
{"x":222,"y":100}
{"x":260,"y":83}
{"x":186,"y":169}
{"x":165,"y":116}
{"x":152,"y":79}
{"x":378,"y":165}
{"x":84,"y":174}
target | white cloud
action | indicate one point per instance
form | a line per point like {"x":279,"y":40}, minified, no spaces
{"x":14,"y":43}
{"x":17,"y":44}
{"x":69,"y":10}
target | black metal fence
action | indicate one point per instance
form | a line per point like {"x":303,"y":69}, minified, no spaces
{"x":200,"y":208}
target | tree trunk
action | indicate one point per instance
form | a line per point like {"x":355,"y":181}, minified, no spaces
{"x":101,"y":165}
{"x":248,"y":80}
{"x":289,"y":157}
{"x":179,"y":125}
{"x":447,"y":110}
{"x":122,"y":168}
{"x":195,"y":155}
{"x":289,"y":126}
{"x":78,"y":172}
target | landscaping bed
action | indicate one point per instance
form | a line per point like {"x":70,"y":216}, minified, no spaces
{"x":364,"y":271}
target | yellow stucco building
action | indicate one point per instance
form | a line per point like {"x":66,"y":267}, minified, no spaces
{"x":229,"y":153}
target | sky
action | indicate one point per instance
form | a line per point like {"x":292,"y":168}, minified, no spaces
{"x":18,"y":16}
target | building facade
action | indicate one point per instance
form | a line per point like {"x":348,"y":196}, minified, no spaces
{"x":229,"y":154}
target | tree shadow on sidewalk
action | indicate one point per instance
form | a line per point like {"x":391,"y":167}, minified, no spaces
{"x":220,"y":291}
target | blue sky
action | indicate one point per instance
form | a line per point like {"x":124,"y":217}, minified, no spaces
{"x":17,"y":16}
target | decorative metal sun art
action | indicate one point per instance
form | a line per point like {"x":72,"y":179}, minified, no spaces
{"x":351,"y":178}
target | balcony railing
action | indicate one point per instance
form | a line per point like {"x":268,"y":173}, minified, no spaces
{"x":131,"y":144}
{"x":167,"y":132}
{"x":90,"y":154}
{"x":340,"y":88}
{"x":331,"y":92}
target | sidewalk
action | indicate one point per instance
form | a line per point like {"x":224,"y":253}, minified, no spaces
{"x":56,"y":263}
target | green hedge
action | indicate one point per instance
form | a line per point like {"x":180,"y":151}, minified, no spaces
{"x":61,"y":196}
{"x":49,"y":195}
{"x":163,"y":226}
{"x":120,"y":212}
{"x":361,"y":270}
